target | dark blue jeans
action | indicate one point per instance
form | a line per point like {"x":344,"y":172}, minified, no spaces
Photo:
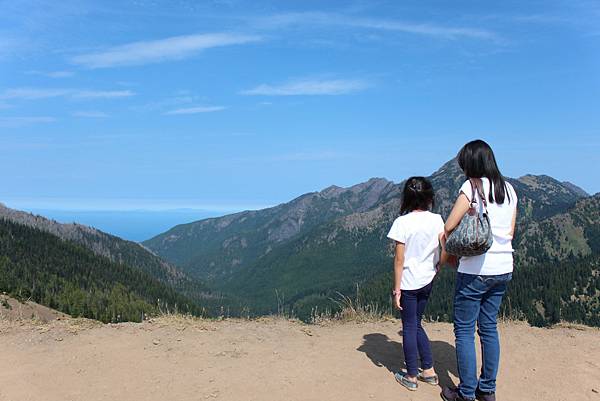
{"x":415,"y":342}
{"x":477,"y":301}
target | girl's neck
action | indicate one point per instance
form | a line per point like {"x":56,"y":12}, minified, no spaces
{"x":419,"y":210}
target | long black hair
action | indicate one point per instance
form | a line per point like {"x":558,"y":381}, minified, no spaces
{"x":417,"y":195}
{"x":476,"y":159}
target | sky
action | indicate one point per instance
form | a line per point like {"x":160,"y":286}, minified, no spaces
{"x":230,"y":105}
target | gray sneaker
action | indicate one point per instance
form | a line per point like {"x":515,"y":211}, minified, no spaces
{"x":433,"y":380}
{"x":402,"y":378}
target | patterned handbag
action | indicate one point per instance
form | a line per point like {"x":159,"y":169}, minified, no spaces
{"x":473,"y":235}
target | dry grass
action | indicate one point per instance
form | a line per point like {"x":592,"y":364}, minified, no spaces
{"x":574,"y":326}
{"x":182,"y":322}
{"x":352,"y":310}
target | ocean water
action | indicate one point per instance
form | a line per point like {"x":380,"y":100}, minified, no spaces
{"x":136,"y":225}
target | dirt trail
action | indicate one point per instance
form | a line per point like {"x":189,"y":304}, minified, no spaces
{"x":175,"y":359}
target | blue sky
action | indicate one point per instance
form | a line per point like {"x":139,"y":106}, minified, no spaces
{"x":227,"y":105}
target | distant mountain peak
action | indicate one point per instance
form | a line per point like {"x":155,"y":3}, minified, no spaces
{"x":576,"y":189}
{"x":331,"y":191}
{"x":375,"y":183}
{"x":450,"y":168}
{"x":551,"y":185}
{"x":375,"y":186}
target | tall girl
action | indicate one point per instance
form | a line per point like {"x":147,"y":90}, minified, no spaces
{"x":416,"y":233}
{"x":481,"y":280}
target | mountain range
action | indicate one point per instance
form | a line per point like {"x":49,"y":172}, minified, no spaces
{"x":304,"y":253}
{"x":304,"y":256}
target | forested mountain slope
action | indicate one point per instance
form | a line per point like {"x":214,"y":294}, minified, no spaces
{"x":217,"y":247}
{"x":118,"y":250}
{"x":64,"y":275}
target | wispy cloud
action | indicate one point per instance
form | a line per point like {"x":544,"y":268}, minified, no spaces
{"x":341,"y":20}
{"x":90,"y":114}
{"x":173,"y":48}
{"x":15,"y":122}
{"x":196,"y":110}
{"x":304,"y":87}
{"x":102,"y":94}
{"x":11,"y":45}
{"x":32,"y":93}
{"x":310,"y":156}
{"x":173,"y":102}
{"x":45,"y":93}
{"x":117,"y":204}
{"x":51,"y":74}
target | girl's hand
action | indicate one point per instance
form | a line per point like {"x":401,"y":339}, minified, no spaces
{"x":397,"y":301}
{"x":442,"y":238}
{"x":453,"y":261}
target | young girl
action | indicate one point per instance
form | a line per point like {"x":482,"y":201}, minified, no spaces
{"x":416,"y":233}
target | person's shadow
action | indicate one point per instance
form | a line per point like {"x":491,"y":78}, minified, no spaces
{"x":384,"y":352}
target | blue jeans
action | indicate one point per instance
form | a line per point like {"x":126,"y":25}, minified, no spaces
{"x":415,"y":342}
{"x":477,"y":300}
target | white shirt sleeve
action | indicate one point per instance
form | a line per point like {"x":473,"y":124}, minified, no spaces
{"x":466,"y":189}
{"x":398,"y":231}
{"x":441,"y":225}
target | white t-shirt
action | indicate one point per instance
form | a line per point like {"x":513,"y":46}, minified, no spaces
{"x":419,"y":232}
{"x":499,"y":258}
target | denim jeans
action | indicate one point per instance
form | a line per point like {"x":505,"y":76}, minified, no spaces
{"x":477,"y":300}
{"x":415,"y":342}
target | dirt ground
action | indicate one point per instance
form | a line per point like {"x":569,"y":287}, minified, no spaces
{"x":177,"y":359}
{"x":11,"y":309}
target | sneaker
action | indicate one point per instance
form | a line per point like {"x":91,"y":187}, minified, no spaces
{"x":433,"y":380}
{"x":452,"y":394}
{"x":484,"y":396}
{"x":402,"y":378}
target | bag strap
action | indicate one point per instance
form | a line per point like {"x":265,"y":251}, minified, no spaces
{"x":476,"y":183}
{"x":472,"y":203}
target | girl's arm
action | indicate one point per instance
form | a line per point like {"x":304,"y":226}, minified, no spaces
{"x":445,"y":257}
{"x":398,"y":269}
{"x":461,"y":206}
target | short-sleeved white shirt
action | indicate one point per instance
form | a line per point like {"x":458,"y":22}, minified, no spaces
{"x":419,"y":232}
{"x":499,"y":258}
